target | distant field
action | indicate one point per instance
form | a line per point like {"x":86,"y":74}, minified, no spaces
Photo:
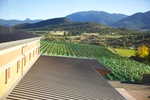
{"x":50,"y":32}
{"x":107,"y":35}
{"x":57,"y":32}
{"x":90,"y":33}
{"x":112,"y":36}
{"x":125,"y":52}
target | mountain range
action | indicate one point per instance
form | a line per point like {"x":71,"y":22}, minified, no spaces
{"x":96,"y":16}
{"x":16,"y":22}
{"x":54,"y":21}
{"x":64,"y":24}
{"x":136,"y":21}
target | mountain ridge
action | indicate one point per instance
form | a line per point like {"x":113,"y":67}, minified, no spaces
{"x":13,"y":22}
{"x":64,"y":24}
{"x":53,"y":21}
{"x":100,"y":17}
{"x":135,"y":21}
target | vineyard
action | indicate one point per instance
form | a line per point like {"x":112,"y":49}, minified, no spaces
{"x":121,"y":68}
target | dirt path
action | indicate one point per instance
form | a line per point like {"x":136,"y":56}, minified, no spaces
{"x":138,"y":91}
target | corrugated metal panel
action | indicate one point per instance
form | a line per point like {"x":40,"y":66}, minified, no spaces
{"x":59,"y":78}
{"x":8,"y":34}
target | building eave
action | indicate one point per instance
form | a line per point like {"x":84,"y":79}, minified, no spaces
{"x":6,"y":45}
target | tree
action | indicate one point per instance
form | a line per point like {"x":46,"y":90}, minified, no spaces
{"x":149,"y":56}
{"x":69,"y":33}
{"x":65,"y":34}
{"x":143,"y":51}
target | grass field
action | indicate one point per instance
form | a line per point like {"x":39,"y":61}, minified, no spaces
{"x":112,"y":36}
{"x":125,"y":52}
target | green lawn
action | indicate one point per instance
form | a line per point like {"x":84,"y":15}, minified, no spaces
{"x":125,"y":52}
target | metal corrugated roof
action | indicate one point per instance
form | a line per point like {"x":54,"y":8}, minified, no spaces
{"x":8,"y":34}
{"x":60,"y":78}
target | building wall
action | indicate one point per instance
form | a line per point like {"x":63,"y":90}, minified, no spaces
{"x":13,"y":78}
{"x":28,"y":58}
{"x":10,"y":56}
{"x":19,"y":56}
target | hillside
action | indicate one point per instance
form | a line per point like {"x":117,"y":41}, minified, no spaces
{"x":55,"y":21}
{"x":82,"y":27}
{"x":96,"y":16}
{"x":136,"y":21}
{"x":15,"y":22}
{"x":64,"y":24}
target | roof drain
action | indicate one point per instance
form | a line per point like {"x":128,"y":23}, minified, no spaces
{"x":23,"y":55}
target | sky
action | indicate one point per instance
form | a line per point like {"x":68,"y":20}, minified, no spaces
{"x":47,"y":9}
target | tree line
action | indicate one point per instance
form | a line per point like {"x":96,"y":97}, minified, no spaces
{"x":86,"y":27}
{"x":142,"y":54}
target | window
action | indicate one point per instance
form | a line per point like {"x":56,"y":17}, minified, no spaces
{"x":33,"y":53}
{"x":7,"y":75}
{"x":36,"y":50}
{"x":24,"y":61}
{"x":18,"y":66}
{"x":29,"y":56}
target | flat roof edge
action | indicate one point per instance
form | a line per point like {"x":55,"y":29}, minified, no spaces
{"x":17,"y":42}
{"x":67,"y":56}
